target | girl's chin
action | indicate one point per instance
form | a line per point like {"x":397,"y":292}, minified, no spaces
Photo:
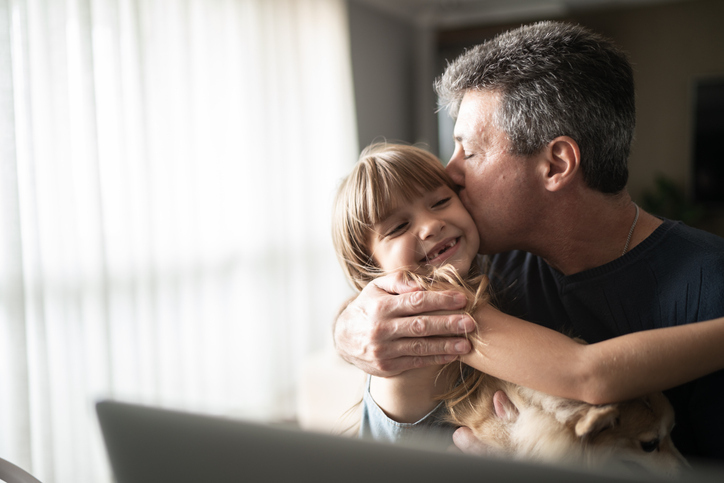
{"x":461,"y":267}
{"x":463,"y":271}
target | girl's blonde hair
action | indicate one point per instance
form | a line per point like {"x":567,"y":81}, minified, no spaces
{"x":385,"y":175}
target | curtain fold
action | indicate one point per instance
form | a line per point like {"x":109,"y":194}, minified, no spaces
{"x":166,"y":175}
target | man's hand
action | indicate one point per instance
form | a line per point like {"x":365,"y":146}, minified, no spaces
{"x":384,"y":332}
{"x":466,"y":442}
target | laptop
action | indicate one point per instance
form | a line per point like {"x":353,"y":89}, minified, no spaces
{"x":154,"y":445}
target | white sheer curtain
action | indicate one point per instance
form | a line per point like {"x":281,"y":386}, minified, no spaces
{"x":166,"y":176}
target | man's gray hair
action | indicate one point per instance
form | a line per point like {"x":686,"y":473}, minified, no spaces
{"x":556,"y":79}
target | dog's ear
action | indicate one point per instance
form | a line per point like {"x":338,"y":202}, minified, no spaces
{"x":504,"y":407}
{"x":596,"y":419}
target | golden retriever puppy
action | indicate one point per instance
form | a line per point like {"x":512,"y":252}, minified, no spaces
{"x":522,"y":423}
{"x":519,"y":422}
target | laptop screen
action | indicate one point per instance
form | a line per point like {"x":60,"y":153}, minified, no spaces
{"x":153,"y":445}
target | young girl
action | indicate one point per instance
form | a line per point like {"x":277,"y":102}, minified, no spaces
{"x":398,"y":210}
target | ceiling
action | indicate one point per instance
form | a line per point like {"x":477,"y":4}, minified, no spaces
{"x":457,"y":13}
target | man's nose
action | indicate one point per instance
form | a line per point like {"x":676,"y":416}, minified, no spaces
{"x":454,"y":169}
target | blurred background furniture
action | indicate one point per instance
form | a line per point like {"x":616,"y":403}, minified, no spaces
{"x":11,"y":473}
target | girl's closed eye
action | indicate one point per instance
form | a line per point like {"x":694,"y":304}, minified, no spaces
{"x":442,"y":202}
{"x":396,"y":229}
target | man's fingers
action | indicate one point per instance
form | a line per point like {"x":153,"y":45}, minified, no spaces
{"x":432,"y":325}
{"x":385,"y":335}
{"x":466,"y":441}
{"x":412,"y":300}
{"x":431,"y":346}
{"x":404,"y":353}
{"x":421,"y":302}
{"x":396,"y":357}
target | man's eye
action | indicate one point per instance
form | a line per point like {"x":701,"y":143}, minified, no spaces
{"x":442,"y":202}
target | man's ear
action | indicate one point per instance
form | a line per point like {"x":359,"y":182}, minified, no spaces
{"x":560,"y":163}
{"x":504,"y":407}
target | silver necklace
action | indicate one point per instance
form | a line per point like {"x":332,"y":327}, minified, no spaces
{"x":630,"y":232}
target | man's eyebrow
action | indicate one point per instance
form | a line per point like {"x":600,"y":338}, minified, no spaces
{"x":461,"y":138}
{"x":460,"y":135}
{"x":466,"y":137}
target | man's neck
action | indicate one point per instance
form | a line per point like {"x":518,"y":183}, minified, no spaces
{"x":589,"y":232}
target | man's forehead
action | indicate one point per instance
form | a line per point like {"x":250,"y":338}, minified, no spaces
{"x":476,"y":112}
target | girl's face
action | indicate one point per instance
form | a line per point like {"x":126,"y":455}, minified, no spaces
{"x":434,"y":229}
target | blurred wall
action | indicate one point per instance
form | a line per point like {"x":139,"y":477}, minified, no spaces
{"x":670,"y":46}
{"x":382,"y":65}
{"x":393,"y":64}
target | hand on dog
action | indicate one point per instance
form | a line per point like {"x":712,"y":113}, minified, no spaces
{"x":467,"y":443}
{"x":388,"y":330}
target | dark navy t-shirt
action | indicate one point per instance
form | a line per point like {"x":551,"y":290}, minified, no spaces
{"x":674,"y":277}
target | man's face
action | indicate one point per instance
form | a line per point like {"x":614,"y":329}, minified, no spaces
{"x":497,"y":188}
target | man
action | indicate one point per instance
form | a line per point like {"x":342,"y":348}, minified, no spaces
{"x":545,"y":116}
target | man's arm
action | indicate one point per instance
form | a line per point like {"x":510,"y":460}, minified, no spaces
{"x":384,"y":333}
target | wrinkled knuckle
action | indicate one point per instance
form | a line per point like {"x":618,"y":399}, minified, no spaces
{"x":418,"y":362}
{"x":417,"y":327}
{"x":417,"y":347}
{"x":416,"y":299}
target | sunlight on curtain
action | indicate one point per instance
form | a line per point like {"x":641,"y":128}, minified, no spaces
{"x":166,"y":175}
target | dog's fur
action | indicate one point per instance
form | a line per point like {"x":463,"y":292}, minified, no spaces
{"x":519,"y":422}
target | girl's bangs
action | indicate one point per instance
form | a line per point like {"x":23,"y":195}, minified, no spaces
{"x":401,"y":181}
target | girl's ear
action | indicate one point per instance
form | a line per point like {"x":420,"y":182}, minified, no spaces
{"x":560,"y":163}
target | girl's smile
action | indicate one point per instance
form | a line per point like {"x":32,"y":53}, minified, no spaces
{"x":441,"y":252}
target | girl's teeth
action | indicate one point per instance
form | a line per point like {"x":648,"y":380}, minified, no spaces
{"x":449,"y":245}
